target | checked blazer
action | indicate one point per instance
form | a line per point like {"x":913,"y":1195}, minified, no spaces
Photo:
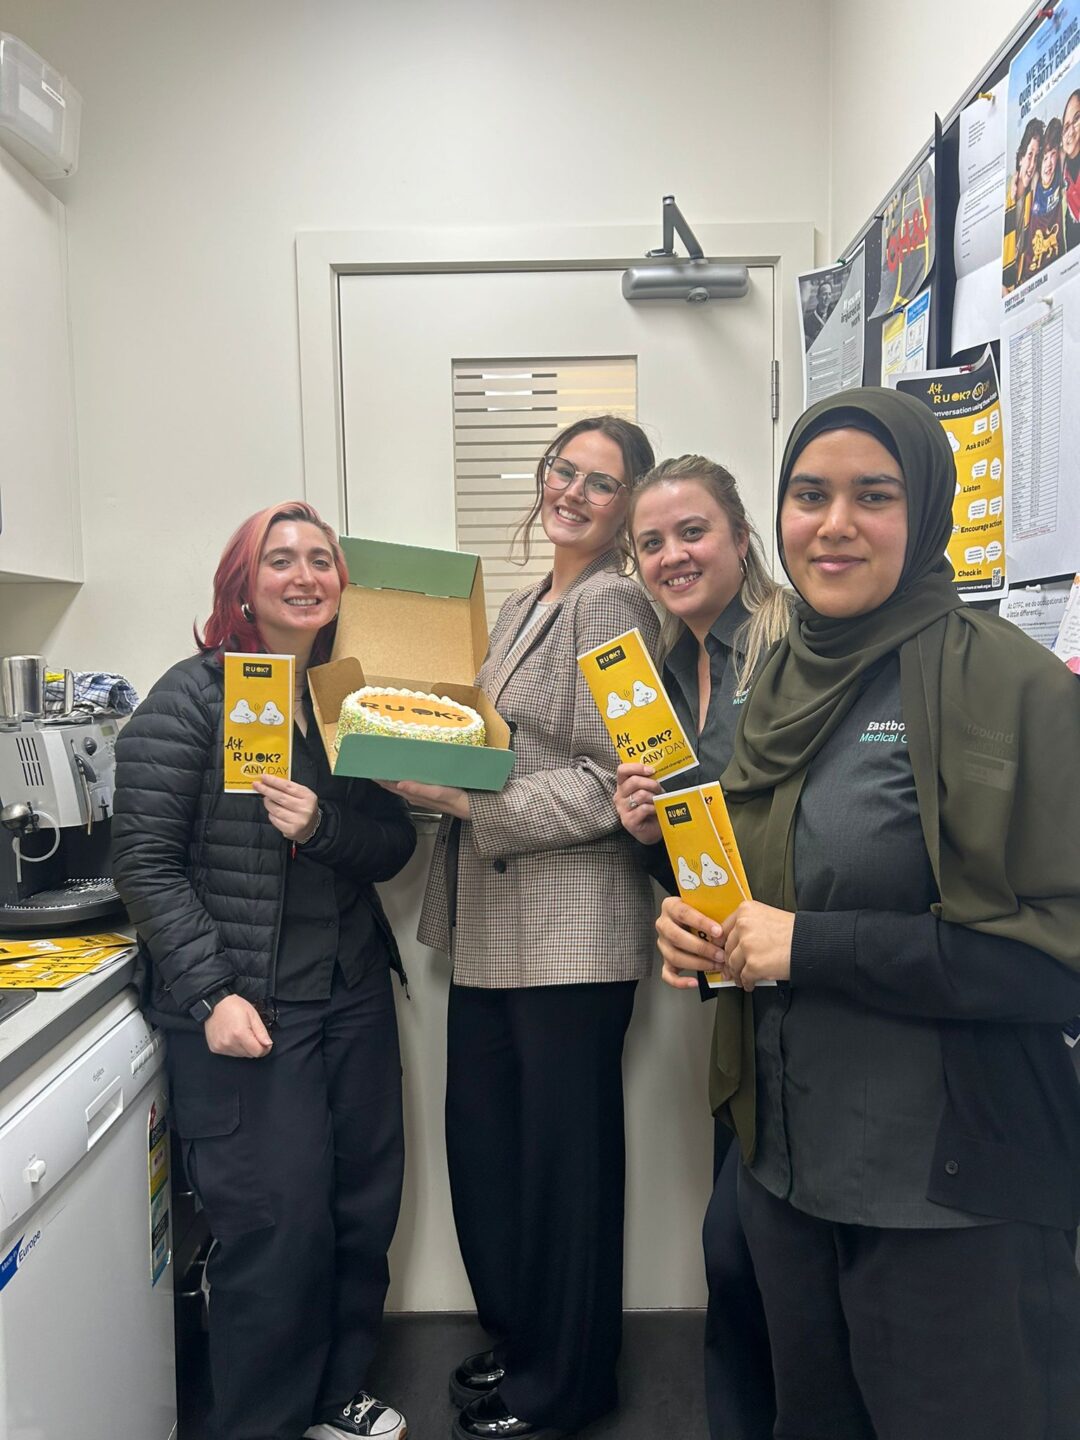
{"x":548,"y":891}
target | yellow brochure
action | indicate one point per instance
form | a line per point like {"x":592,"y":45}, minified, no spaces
{"x":22,"y":949}
{"x":637,"y":712}
{"x":708,"y":877}
{"x":258,"y":718}
{"x":718,"y":814}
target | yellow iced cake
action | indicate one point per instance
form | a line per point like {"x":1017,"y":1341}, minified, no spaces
{"x":409,"y":714}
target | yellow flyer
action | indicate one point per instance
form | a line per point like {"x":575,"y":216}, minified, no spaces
{"x":708,"y":871}
{"x":21,"y":949}
{"x":634,"y":704}
{"x":258,"y":718}
{"x":706,"y":877}
{"x":718,"y":814}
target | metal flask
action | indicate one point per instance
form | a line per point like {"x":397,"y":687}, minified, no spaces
{"x":22,"y":687}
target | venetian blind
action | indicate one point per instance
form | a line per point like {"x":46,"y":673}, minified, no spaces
{"x":506,"y":413}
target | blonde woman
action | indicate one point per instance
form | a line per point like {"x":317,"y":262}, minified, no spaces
{"x":701,"y":559}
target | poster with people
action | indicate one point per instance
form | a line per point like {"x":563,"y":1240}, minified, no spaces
{"x":1041,"y":235}
{"x":833,"y":325}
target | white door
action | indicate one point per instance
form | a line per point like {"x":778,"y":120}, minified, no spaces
{"x":703,"y":386}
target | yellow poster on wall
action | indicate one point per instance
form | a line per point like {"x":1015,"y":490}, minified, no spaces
{"x":967,"y":402}
{"x":707,"y":876}
{"x":258,"y":718}
{"x":635,"y":707}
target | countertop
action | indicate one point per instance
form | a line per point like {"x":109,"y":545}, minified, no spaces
{"x":53,"y":1014}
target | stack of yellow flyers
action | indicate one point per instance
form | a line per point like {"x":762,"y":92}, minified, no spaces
{"x":637,"y":712}
{"x":701,"y":845}
{"x":258,"y":718}
{"x":49,"y":964}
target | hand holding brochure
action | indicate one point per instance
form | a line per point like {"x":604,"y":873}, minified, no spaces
{"x":701,"y":845}
{"x":635,"y":707}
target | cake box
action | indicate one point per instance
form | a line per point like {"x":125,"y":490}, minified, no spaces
{"x":412,"y":619}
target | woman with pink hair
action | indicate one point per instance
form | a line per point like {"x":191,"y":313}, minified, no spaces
{"x":266,"y":957}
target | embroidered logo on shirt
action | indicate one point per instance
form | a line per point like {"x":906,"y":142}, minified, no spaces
{"x":884,"y":732}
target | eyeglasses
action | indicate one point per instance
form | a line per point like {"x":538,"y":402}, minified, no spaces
{"x":600,"y":489}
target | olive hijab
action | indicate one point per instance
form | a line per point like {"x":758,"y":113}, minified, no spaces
{"x":992,"y":722}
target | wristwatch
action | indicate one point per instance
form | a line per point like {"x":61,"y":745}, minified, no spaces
{"x":204,"y":1008}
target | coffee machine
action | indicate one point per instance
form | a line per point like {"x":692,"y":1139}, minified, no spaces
{"x":56,"y":795}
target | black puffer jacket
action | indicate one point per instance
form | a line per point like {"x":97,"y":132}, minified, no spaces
{"x":203,"y":873}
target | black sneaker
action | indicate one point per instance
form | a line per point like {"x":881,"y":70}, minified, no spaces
{"x":475,"y":1376}
{"x":362,"y":1416}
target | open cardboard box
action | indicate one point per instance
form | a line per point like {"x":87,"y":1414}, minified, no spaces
{"x":407,"y":615}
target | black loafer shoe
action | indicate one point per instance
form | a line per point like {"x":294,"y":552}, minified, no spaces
{"x":489,"y":1419}
{"x":475,"y":1377}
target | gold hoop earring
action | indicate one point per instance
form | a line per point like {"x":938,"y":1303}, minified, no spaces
{"x":743,"y":567}
{"x":247,"y":612}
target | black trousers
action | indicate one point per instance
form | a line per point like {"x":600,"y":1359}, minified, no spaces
{"x":891,"y":1334}
{"x":740,"y":1400}
{"x":298,"y":1161}
{"x":536,"y":1151}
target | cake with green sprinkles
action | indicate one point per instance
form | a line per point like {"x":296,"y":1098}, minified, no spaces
{"x":409,"y":714}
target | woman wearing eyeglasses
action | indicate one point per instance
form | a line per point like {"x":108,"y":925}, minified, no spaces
{"x":536,"y":895}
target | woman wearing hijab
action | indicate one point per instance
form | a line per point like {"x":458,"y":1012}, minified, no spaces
{"x":907,"y":1109}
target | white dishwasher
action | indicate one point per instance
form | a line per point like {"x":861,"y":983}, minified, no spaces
{"x":86,"y":1304}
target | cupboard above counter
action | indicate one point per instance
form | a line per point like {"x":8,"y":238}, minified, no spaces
{"x":40,"y":526}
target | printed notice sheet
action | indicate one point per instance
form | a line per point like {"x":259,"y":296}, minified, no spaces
{"x":1067,"y":645}
{"x":1040,"y":354}
{"x":832,"y":309}
{"x":967,"y":403}
{"x":979,"y":218}
{"x":1037,"y":610}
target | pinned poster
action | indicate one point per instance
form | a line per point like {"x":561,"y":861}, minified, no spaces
{"x":258,"y":719}
{"x":905,"y":338}
{"x":833,"y":327}
{"x":635,"y":707}
{"x":1040,"y":237}
{"x":967,"y":402}
{"x":907,"y":241}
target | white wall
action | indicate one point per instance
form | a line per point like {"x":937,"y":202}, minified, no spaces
{"x":213,"y":133}
{"x":891,"y":68}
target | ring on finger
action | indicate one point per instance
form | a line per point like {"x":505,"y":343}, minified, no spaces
{"x":633,"y":802}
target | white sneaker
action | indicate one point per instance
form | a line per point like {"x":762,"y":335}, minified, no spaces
{"x":362,"y":1416}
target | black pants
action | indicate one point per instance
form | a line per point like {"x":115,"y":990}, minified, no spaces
{"x":881,"y":1334}
{"x":535,"y":1146}
{"x":298,"y":1160}
{"x":739,"y":1396}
